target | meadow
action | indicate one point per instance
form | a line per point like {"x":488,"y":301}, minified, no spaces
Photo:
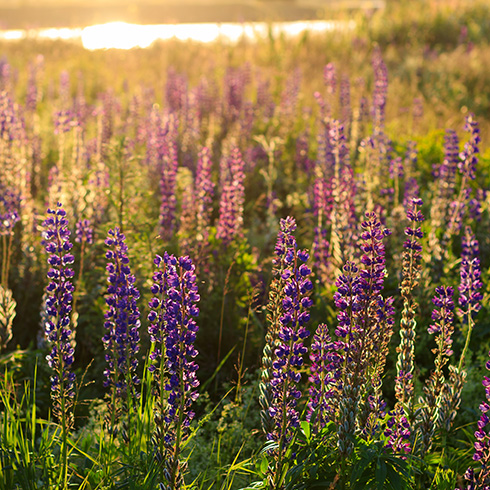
{"x":252,"y":266}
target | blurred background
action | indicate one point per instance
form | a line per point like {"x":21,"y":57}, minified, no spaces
{"x":22,"y":14}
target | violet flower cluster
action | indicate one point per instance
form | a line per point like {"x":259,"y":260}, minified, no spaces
{"x":324,"y":378}
{"x":430,"y":414}
{"x":84,"y":232}
{"x":168,"y":180}
{"x":468,"y":156}
{"x":481,"y":479}
{"x":442,"y":316}
{"x":232,"y":176}
{"x":397,"y":430}
{"x":470,"y":276}
{"x":172,"y":330}
{"x":364,"y":329}
{"x":58,"y":308}
{"x":180,"y":334}
{"x":9,"y":210}
{"x":204,"y":187}
{"x":121,"y":341}
{"x":289,"y":350}
{"x":404,"y":388}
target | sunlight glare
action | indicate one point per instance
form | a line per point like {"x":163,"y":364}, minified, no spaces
{"x":13,"y":35}
{"x":121,"y":35}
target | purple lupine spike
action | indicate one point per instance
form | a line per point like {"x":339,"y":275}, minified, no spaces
{"x":175,"y":90}
{"x":380,"y":91}
{"x":412,"y":191}
{"x":397,"y":430}
{"x":174,"y":309}
{"x":64,"y":88}
{"x":289,"y":96}
{"x":302,"y":159}
{"x":289,"y":349}
{"x":469,"y":155}
{"x":33,"y":92}
{"x":431,"y":410}
{"x":168,"y":180}
{"x":481,"y":479}
{"x":204,"y":192}
{"x":396,"y":168}
{"x":470,"y":296}
{"x":234,"y":92}
{"x":325,"y":160}
{"x":9,"y":210}
{"x":345,"y":103}
{"x":64,"y":121}
{"x":84,"y":232}
{"x":417,"y":111}
{"x":156,"y":317}
{"x":475,"y":205}
{"x":330,"y":78}
{"x":121,"y":341}
{"x":447,"y":170}
{"x":442,"y":316}
{"x":411,"y":271}
{"x":181,"y":329}
{"x":232,"y":176}
{"x":346,"y":299}
{"x":325,"y":372}
{"x":469,"y":289}
{"x":373,"y":258}
{"x":58,"y":309}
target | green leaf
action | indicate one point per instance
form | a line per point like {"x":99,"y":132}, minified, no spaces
{"x":305,"y":427}
{"x":381,"y":472}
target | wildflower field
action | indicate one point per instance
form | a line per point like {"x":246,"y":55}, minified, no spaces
{"x":256,"y":265}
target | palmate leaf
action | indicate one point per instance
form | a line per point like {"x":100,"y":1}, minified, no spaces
{"x":377,"y":469}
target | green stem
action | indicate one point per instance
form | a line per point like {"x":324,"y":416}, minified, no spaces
{"x":468,"y":336}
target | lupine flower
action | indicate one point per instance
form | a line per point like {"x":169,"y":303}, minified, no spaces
{"x":442,"y":315}
{"x":342,"y":215}
{"x":364,"y":327}
{"x":344,"y":98}
{"x":404,"y":389}
{"x":447,"y":170}
{"x":289,"y":306}
{"x":397,"y":430}
{"x":64,"y":121}
{"x":481,"y":479}
{"x":175,"y":90}
{"x":289,"y":96}
{"x":288,"y":354}
{"x":380,"y":91}
{"x":330,"y":78}
{"x":84,"y":232}
{"x":173,"y":312}
{"x":204,"y":192}
{"x":168,"y":181}
{"x":121,"y":342}
{"x":285,"y":240}
{"x":9,"y":210}
{"x":469,"y":294}
{"x":283,"y":356}
{"x":58,"y":308}
{"x":325,"y":364}
{"x":469,"y":156}
{"x":467,"y":167}
{"x":181,"y":329}
{"x":469,"y":301}
{"x":232,"y":176}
